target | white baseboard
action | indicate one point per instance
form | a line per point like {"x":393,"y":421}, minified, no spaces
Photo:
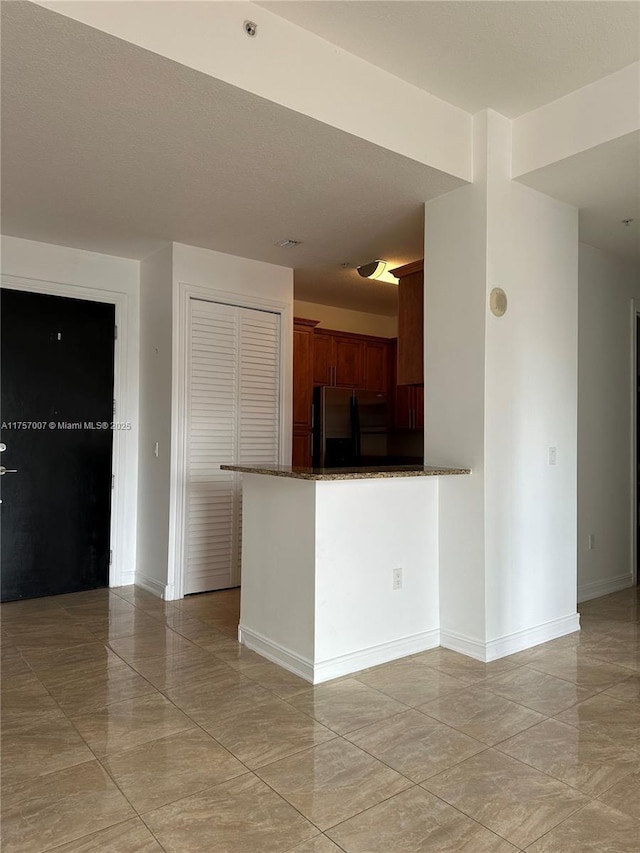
{"x":325,"y":670}
{"x":276,"y":653}
{"x":124,"y":579}
{"x":150,"y":584}
{"x":595,"y":589}
{"x":510,"y":643}
{"x":375,"y":655}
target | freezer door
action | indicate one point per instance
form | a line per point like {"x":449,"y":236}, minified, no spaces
{"x":336,"y":413}
{"x":372,"y":411}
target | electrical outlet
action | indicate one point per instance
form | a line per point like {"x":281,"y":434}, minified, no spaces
{"x":397,"y":578}
{"x":156,"y":449}
{"x":592,"y":541}
{"x":552,"y":455}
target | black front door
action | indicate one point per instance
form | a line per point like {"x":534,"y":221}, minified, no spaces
{"x":56,"y":411}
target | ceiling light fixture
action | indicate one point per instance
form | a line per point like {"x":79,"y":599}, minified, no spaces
{"x":288,"y":244}
{"x":377,"y":270}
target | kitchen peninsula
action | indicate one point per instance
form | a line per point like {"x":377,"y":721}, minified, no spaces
{"x":339,"y":566}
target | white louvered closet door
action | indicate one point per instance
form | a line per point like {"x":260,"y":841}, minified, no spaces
{"x":233,"y":416}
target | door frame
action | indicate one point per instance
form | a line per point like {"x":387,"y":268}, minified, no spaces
{"x":183,"y":293}
{"x":635,"y":426}
{"x":119,"y":573}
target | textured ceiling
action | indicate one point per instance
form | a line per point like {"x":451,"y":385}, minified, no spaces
{"x":510,"y":56}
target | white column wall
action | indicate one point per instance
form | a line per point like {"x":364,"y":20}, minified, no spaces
{"x":607,"y":288}
{"x":156,"y":305}
{"x":454,"y":354}
{"x":498,"y":394}
{"x":530,"y":402}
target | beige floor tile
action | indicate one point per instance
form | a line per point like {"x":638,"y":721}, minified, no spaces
{"x":275,"y":678}
{"x":207,"y":702}
{"x":465,"y":668}
{"x":243,"y":816}
{"x":55,"y":636}
{"x":319,"y":844}
{"x":481,"y":714}
{"x":111,"y":607}
{"x":603,"y":714}
{"x":594,"y":829}
{"x":191,"y":627}
{"x":415,"y":745}
{"x":168,"y":769}
{"x":93,"y":655}
{"x":409,"y":682}
{"x":149,"y":644}
{"x":332,"y":782}
{"x":25,"y":702}
{"x":416,"y":822}
{"x":78,"y":691}
{"x":184,"y":667}
{"x":12,"y":662}
{"x":268,"y":732}
{"x":132,"y":836}
{"x":121,"y":626}
{"x":537,"y":690}
{"x":345,"y":706}
{"x":130,"y":723}
{"x":586,"y":761}
{"x":628,"y":690}
{"x":49,"y":745}
{"x":231,"y":652}
{"x":588,"y":672}
{"x":60,"y":807}
{"x":625,"y":796}
{"x":513,"y":800}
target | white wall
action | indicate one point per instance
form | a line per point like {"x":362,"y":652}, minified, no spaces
{"x":454,"y":355}
{"x":499,"y":393}
{"x":156,"y":318}
{"x":607,"y":287}
{"x":530,"y":401}
{"x":345,"y":320}
{"x":364,"y":530}
{"x":42,"y":263}
{"x":203,"y":273}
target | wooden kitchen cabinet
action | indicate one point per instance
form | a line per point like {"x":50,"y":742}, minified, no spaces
{"x":375,"y":375}
{"x":409,"y":407}
{"x":303,"y":345}
{"x":410,"y":369}
{"x":337,"y":359}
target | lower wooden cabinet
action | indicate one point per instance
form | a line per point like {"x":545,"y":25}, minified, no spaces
{"x":409,"y":407}
{"x":301,"y":449}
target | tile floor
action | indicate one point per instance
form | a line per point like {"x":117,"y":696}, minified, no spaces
{"x":132,"y":725}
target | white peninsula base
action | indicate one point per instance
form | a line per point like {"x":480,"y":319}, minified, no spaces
{"x":318,"y":563}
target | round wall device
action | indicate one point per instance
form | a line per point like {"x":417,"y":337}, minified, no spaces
{"x":498,"y":301}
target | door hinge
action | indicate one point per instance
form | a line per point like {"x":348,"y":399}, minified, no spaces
{"x":114,"y":406}
{"x":113,"y":481}
{"x":110,"y":557}
{"x":115,"y":333}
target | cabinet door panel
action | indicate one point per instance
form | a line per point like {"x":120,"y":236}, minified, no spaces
{"x":403,"y":406}
{"x":348,"y":362}
{"x":322,"y":359}
{"x":301,"y":455}
{"x":302,"y":376}
{"x":418,"y":407}
{"x":376,"y":363}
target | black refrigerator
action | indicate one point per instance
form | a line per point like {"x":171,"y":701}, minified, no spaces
{"x":349,"y":427}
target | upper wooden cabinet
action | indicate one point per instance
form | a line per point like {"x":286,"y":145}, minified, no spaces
{"x":375,"y":375}
{"x":303,"y":341}
{"x":338,"y":359}
{"x":410,"y":370}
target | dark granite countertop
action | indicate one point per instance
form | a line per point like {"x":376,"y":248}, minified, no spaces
{"x":378,"y":472}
